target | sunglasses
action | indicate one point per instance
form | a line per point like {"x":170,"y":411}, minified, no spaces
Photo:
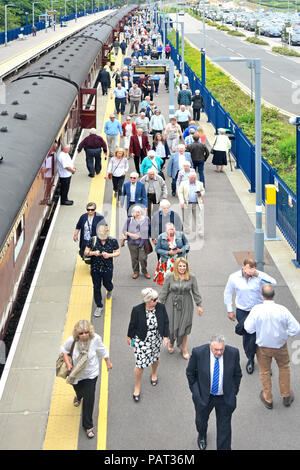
{"x":84,"y":333}
{"x":155,"y":300}
{"x":90,"y":210}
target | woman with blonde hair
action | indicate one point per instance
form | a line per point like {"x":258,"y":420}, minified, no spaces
{"x":178,"y":292}
{"x":116,"y":171}
{"x":147,"y":331}
{"x":83,"y":352}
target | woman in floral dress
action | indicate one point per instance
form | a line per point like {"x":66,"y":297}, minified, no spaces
{"x":148,"y":330}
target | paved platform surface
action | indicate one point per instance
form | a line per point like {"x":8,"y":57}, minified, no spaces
{"x":36,"y":410}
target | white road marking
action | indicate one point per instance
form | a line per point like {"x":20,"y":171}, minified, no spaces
{"x":290,"y":81}
{"x":266,"y":68}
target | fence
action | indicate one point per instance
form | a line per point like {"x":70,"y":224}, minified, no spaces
{"x":13,"y":34}
{"x":243,"y":152}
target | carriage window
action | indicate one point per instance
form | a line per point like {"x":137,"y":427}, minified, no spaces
{"x":19,"y":238}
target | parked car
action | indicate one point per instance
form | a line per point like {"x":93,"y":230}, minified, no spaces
{"x":294,"y":38}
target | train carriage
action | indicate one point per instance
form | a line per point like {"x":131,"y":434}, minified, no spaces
{"x":42,"y":112}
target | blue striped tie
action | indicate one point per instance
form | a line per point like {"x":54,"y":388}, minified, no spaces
{"x":215,"y":381}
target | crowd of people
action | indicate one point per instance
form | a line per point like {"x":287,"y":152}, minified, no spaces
{"x":152,"y":143}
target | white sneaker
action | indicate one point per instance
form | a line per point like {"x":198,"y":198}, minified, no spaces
{"x":98,"y":312}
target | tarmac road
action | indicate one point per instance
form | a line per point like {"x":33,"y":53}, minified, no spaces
{"x":279,"y":74}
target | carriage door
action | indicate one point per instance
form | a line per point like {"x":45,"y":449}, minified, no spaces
{"x":88,"y":108}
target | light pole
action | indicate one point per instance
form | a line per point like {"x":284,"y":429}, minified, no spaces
{"x":182,"y":50}
{"x":76,"y":11}
{"x":203,"y":69}
{"x":66,"y":6}
{"x":33,"y":3}
{"x":296,"y":122}
{"x":255,"y":64}
{"x":5,"y":19}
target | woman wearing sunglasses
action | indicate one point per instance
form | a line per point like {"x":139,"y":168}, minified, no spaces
{"x":148,"y":330}
{"x":86,"y":226}
{"x":83,"y":352}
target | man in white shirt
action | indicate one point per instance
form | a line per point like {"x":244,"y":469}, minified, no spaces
{"x":246,"y":284}
{"x":190,"y":194}
{"x":66,"y":169}
{"x":273,"y":325}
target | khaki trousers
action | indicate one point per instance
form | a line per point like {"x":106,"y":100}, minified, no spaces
{"x":193,"y":218}
{"x":282,"y":358}
{"x":138,"y":257}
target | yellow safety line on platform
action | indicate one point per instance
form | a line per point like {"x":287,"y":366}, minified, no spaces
{"x":103,"y":403}
{"x":64,"y":419}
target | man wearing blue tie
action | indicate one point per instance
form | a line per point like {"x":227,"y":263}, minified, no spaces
{"x":214,"y":375}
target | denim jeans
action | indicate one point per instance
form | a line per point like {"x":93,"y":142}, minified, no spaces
{"x":200,"y":166}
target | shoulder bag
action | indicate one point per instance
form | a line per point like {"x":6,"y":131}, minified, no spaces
{"x":110,"y":175}
{"x":88,"y":259}
{"x":61,"y":367}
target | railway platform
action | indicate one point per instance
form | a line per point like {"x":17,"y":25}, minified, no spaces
{"x":36,"y":409}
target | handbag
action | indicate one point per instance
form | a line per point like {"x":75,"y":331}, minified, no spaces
{"x":159,"y":172}
{"x":88,"y":259}
{"x":148,"y":247}
{"x":110,"y":175}
{"x":61,"y":366}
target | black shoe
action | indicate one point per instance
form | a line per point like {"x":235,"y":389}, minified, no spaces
{"x":136,"y":398}
{"x":287,"y":401}
{"x":268,"y":405}
{"x":91,"y":176}
{"x":67,"y":203}
{"x":250,"y":366}
{"x":201,"y":443}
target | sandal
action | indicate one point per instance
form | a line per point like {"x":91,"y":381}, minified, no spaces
{"x":185,"y":355}
{"x":136,"y":398}
{"x":154,"y":382}
{"x":90,"y":433}
{"x":170,"y":349}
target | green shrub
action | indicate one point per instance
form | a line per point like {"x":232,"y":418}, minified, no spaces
{"x":236,"y":33}
{"x":255,"y":40}
{"x":285,"y":51}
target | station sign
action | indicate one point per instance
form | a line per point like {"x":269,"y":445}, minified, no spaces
{"x":149,"y":69}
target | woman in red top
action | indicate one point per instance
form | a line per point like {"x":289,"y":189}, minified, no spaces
{"x":129,"y":129}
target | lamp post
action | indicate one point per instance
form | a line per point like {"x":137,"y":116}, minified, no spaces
{"x":66,"y":6}
{"x":203,"y":69}
{"x":5,"y":19}
{"x":296,"y":122}
{"x":182,"y":50}
{"x":255,"y":64}
{"x":33,"y":3}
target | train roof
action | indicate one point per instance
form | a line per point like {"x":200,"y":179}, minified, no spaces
{"x":36,"y":107}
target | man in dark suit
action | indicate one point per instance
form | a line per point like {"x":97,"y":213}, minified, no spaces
{"x":214,"y":375}
{"x":104,"y":79}
{"x":135,"y":192}
{"x":138,"y":147}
